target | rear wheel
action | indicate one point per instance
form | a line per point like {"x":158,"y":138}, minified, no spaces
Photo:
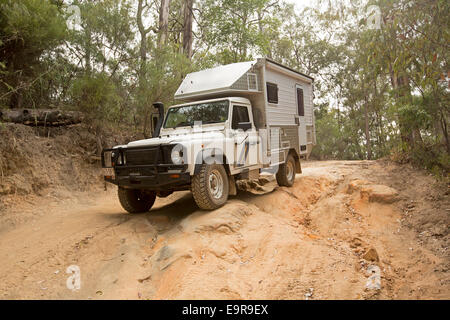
{"x":286,"y":172}
{"x":210,"y":187}
{"x":136,"y":201}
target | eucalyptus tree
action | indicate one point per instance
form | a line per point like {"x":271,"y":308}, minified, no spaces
{"x":28,"y":30}
{"x":236,"y":30}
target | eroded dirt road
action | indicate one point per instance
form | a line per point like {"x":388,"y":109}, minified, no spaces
{"x":342,"y":223}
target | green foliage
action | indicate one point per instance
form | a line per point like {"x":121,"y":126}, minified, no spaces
{"x":28,"y":28}
{"x":328,"y":134}
{"x":97,"y":95}
{"x":389,"y":85}
{"x":237,"y":29}
{"x":165,"y":75}
{"x":32,"y":25}
{"x":378,"y":93}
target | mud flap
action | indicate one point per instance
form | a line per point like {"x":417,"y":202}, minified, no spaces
{"x":232,"y":186}
{"x":298,"y":166}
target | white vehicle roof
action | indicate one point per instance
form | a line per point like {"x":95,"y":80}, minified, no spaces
{"x":213,"y":79}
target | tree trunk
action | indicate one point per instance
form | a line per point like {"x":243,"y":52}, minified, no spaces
{"x":381,"y":134}
{"x":88,"y":45}
{"x":178,"y":35}
{"x":143,"y":51}
{"x":187,"y":30}
{"x":143,"y":45}
{"x":15,"y":101}
{"x":400,"y":84}
{"x":445,"y":131}
{"x":261,"y":32}
{"x":163,"y":22}
{"x":366,"y":119}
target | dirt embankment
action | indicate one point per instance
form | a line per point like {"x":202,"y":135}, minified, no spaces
{"x":346,"y":230}
{"x":54,"y":163}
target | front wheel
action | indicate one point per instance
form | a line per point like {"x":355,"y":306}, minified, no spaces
{"x":286,"y":172}
{"x":210,"y":187}
{"x":136,"y":201}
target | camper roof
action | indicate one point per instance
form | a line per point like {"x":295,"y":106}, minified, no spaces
{"x":290,"y":69}
{"x":213,"y":79}
{"x":221,"y":80}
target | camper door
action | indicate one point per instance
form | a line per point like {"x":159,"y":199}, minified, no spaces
{"x":301,"y":117}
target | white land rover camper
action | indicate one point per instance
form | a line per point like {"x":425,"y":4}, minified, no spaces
{"x":236,"y":120}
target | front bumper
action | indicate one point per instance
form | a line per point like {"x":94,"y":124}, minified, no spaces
{"x":145,"y":168}
{"x":159,"y":182}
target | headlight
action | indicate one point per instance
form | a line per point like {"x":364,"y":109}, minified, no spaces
{"x":177,"y":154}
{"x":116,"y":158}
{"x":113,"y":158}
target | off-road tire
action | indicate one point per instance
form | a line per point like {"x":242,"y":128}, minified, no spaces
{"x":136,"y":201}
{"x":201,"y":189}
{"x":286,"y":177}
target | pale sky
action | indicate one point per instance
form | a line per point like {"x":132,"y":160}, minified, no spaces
{"x":300,"y":4}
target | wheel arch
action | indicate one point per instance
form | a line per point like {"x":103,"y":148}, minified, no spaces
{"x":219,"y":158}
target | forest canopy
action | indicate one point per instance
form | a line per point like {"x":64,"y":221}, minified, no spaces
{"x":380,"y":67}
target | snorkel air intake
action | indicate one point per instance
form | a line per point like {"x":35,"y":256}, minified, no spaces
{"x":160,"y":107}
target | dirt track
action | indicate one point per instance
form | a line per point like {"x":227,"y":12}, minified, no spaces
{"x":311,"y":241}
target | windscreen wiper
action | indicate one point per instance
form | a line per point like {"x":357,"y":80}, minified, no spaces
{"x":182,"y":124}
{"x":210,"y":121}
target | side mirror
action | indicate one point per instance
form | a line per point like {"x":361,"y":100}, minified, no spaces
{"x":244,"y":126}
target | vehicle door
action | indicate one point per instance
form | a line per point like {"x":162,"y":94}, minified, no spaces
{"x":245,"y":139}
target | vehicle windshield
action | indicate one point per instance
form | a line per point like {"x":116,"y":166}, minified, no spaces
{"x":210,"y":112}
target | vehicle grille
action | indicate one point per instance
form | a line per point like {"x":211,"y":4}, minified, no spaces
{"x":141,"y":157}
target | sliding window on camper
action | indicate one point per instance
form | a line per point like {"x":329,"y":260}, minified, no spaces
{"x":272,"y":92}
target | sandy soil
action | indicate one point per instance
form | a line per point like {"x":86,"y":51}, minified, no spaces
{"x":343,"y":227}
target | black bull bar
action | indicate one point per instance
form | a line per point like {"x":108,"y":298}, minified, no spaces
{"x":146,"y":167}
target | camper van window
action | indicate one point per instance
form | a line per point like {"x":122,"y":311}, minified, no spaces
{"x":211,"y":112}
{"x":252,"y":79}
{"x":272,"y":92}
{"x":300,"y":102}
{"x":240,"y":114}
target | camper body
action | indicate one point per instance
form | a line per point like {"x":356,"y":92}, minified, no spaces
{"x":236,"y":121}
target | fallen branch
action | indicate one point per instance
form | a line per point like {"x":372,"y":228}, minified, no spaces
{"x":41,"y":117}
